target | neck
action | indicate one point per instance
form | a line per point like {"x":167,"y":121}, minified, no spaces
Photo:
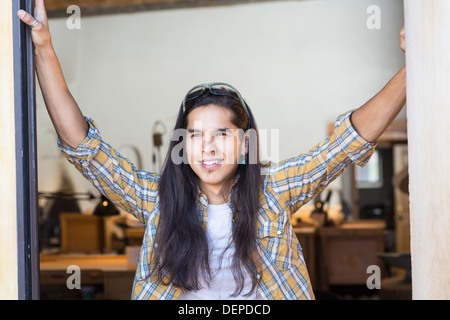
{"x":217,"y":194}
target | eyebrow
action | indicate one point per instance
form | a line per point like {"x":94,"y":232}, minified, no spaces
{"x":219,"y":129}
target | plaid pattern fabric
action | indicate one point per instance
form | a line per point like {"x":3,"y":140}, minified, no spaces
{"x":286,"y":186}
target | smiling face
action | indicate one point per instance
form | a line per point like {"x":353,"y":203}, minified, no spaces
{"x":213,"y":147}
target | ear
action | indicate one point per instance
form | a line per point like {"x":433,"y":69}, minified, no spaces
{"x":244,"y":144}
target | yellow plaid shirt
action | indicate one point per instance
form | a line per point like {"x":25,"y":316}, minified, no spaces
{"x":286,"y":186}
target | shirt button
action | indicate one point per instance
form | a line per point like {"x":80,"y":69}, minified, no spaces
{"x":156,"y":244}
{"x":84,"y":163}
{"x":279,"y":232}
{"x":258,"y":276}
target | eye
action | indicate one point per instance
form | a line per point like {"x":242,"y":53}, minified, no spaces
{"x":223,"y":133}
{"x":195,"y":135}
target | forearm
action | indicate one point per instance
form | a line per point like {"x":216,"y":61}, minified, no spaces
{"x":64,"y":112}
{"x":372,"y":119}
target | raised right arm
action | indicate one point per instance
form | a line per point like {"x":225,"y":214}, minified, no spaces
{"x":64,"y":112}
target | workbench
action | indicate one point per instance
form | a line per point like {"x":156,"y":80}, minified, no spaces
{"x":334,"y":255}
{"x":103,"y":276}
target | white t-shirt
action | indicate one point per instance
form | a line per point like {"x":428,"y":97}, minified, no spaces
{"x":222,"y":284}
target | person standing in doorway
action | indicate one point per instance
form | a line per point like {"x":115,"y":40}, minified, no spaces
{"x":217,"y":220}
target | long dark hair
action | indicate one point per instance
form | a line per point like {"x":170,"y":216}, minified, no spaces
{"x":182,"y":254}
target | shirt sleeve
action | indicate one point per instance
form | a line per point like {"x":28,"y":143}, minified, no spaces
{"x":113,"y":175}
{"x":297,"y":180}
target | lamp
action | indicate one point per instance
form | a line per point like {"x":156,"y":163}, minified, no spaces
{"x":105,"y":208}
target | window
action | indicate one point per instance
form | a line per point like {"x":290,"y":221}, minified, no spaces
{"x":371,"y":175}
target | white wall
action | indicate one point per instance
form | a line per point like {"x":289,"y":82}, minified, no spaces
{"x":298,"y":64}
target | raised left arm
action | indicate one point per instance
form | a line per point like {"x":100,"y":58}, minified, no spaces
{"x":372,"y":119}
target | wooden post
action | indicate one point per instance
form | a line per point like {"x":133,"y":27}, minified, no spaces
{"x":19,"y":250}
{"x":427,"y":29}
{"x":8,"y":212}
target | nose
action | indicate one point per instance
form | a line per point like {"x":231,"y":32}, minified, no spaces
{"x":208,"y":144}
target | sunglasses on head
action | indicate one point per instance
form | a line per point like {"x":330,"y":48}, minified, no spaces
{"x":214,"y":88}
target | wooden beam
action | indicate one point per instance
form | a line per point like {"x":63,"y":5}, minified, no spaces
{"x":58,"y":8}
{"x":8,"y":211}
{"x":428,"y":78}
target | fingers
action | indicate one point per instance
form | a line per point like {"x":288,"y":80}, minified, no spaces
{"x":402,"y":39}
{"x":28,"y":19}
{"x":40,"y":33}
{"x":39,"y":11}
{"x":39,"y":4}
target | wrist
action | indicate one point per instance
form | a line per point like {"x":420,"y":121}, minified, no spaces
{"x":44,"y":51}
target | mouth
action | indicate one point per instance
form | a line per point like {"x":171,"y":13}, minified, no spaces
{"x":210,"y":164}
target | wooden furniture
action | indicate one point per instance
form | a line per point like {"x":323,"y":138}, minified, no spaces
{"x":111,"y":243}
{"x":307,"y":236}
{"x":134,"y":236}
{"x":81,"y":233}
{"x":349,"y":249}
{"x":340,"y":255}
{"x":110,"y":276}
{"x":337,"y":255}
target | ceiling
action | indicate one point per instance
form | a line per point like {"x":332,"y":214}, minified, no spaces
{"x":58,"y":8}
